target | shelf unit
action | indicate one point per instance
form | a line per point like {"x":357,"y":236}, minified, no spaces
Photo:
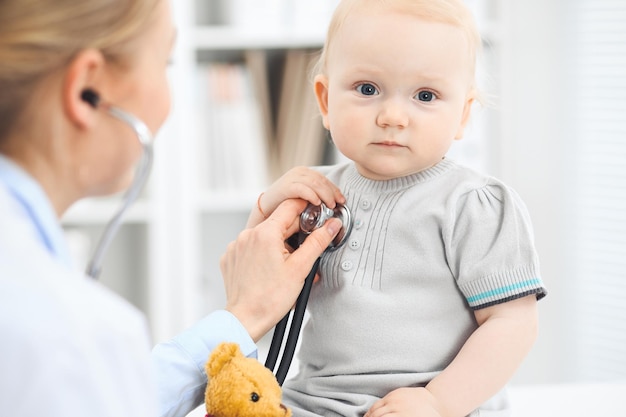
{"x":165,"y":259}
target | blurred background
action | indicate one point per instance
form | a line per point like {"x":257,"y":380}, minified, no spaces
{"x":554,"y":128}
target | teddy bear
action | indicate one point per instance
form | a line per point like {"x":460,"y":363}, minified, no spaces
{"x":239,"y":386}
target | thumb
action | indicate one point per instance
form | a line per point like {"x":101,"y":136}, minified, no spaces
{"x":316,"y":243}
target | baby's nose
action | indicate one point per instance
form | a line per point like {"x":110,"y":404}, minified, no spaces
{"x":393,"y":113}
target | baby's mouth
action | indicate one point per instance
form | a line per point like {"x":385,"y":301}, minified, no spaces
{"x":390,"y":144}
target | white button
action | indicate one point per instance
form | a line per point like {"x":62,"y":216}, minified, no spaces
{"x":366,"y":204}
{"x":355,"y":244}
{"x":346,"y":265}
{"x":358,"y":223}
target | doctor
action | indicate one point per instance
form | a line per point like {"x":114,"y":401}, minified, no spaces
{"x":69,"y":347}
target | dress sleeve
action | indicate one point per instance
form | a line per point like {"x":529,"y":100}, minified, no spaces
{"x":178,"y":364}
{"x":490,"y":247}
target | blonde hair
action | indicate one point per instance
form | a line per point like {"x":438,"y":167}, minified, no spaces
{"x":452,"y":12}
{"x":38,"y":37}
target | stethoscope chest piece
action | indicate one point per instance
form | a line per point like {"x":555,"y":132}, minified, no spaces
{"x":314,"y":217}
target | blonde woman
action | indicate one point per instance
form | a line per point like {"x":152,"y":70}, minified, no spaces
{"x":70,"y":347}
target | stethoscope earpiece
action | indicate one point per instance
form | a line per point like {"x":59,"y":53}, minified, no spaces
{"x":91,"y":97}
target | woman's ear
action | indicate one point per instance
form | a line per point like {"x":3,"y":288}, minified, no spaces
{"x":467,"y":110}
{"x":320,"y":86}
{"x":82,"y":74}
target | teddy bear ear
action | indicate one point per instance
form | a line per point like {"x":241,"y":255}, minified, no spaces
{"x":221,"y":355}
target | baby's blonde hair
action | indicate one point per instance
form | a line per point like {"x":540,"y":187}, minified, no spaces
{"x":38,"y":37}
{"x":452,"y":12}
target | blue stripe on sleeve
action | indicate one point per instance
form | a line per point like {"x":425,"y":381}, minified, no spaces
{"x":535,"y":282}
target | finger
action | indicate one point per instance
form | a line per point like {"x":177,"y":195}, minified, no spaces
{"x":309,"y":193}
{"x":287,"y":214}
{"x":325,"y":191}
{"x":331,"y":194}
{"x":339,"y":197}
{"x":377,"y":409}
{"x":316,"y":243}
{"x":316,"y":188}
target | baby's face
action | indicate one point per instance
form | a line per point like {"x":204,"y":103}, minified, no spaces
{"x":397,"y":91}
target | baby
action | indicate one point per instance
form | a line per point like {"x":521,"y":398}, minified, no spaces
{"x":430,"y":307}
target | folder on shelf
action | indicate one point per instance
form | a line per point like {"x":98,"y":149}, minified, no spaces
{"x":299,"y":130}
{"x":233,"y":135}
{"x":241,"y":146}
{"x":256,"y":62}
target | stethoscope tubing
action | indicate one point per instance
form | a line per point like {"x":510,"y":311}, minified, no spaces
{"x":94,"y":267}
{"x":343,"y":213}
{"x":294,"y":330}
{"x":144,"y":168}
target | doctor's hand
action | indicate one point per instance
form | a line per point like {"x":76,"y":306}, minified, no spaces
{"x":262,"y":278}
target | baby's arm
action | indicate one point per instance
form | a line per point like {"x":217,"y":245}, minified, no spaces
{"x":299,"y":182}
{"x":488,"y":358}
{"x":482,"y":367}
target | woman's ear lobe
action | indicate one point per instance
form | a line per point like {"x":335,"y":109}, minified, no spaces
{"x":320,"y":86}
{"x":80,"y":81}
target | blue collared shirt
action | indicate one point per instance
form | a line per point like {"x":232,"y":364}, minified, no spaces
{"x":179,"y":363}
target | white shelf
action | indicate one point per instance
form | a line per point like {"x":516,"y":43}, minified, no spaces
{"x":223,"y":38}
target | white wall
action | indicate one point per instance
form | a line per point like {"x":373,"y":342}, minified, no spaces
{"x":537,"y":159}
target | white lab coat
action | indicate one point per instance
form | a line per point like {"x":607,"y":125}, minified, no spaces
{"x":68,"y":346}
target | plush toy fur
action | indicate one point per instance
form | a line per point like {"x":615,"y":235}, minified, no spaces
{"x":241,"y":387}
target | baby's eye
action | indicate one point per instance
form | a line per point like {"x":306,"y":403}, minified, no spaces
{"x":367,"y":89}
{"x":426,"y":96}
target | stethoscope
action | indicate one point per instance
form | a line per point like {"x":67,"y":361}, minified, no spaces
{"x":311,"y":218}
{"x":94,"y":266}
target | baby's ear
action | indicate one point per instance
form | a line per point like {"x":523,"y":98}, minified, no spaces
{"x":221,"y":355}
{"x":320,"y":86}
{"x":467,"y":111}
